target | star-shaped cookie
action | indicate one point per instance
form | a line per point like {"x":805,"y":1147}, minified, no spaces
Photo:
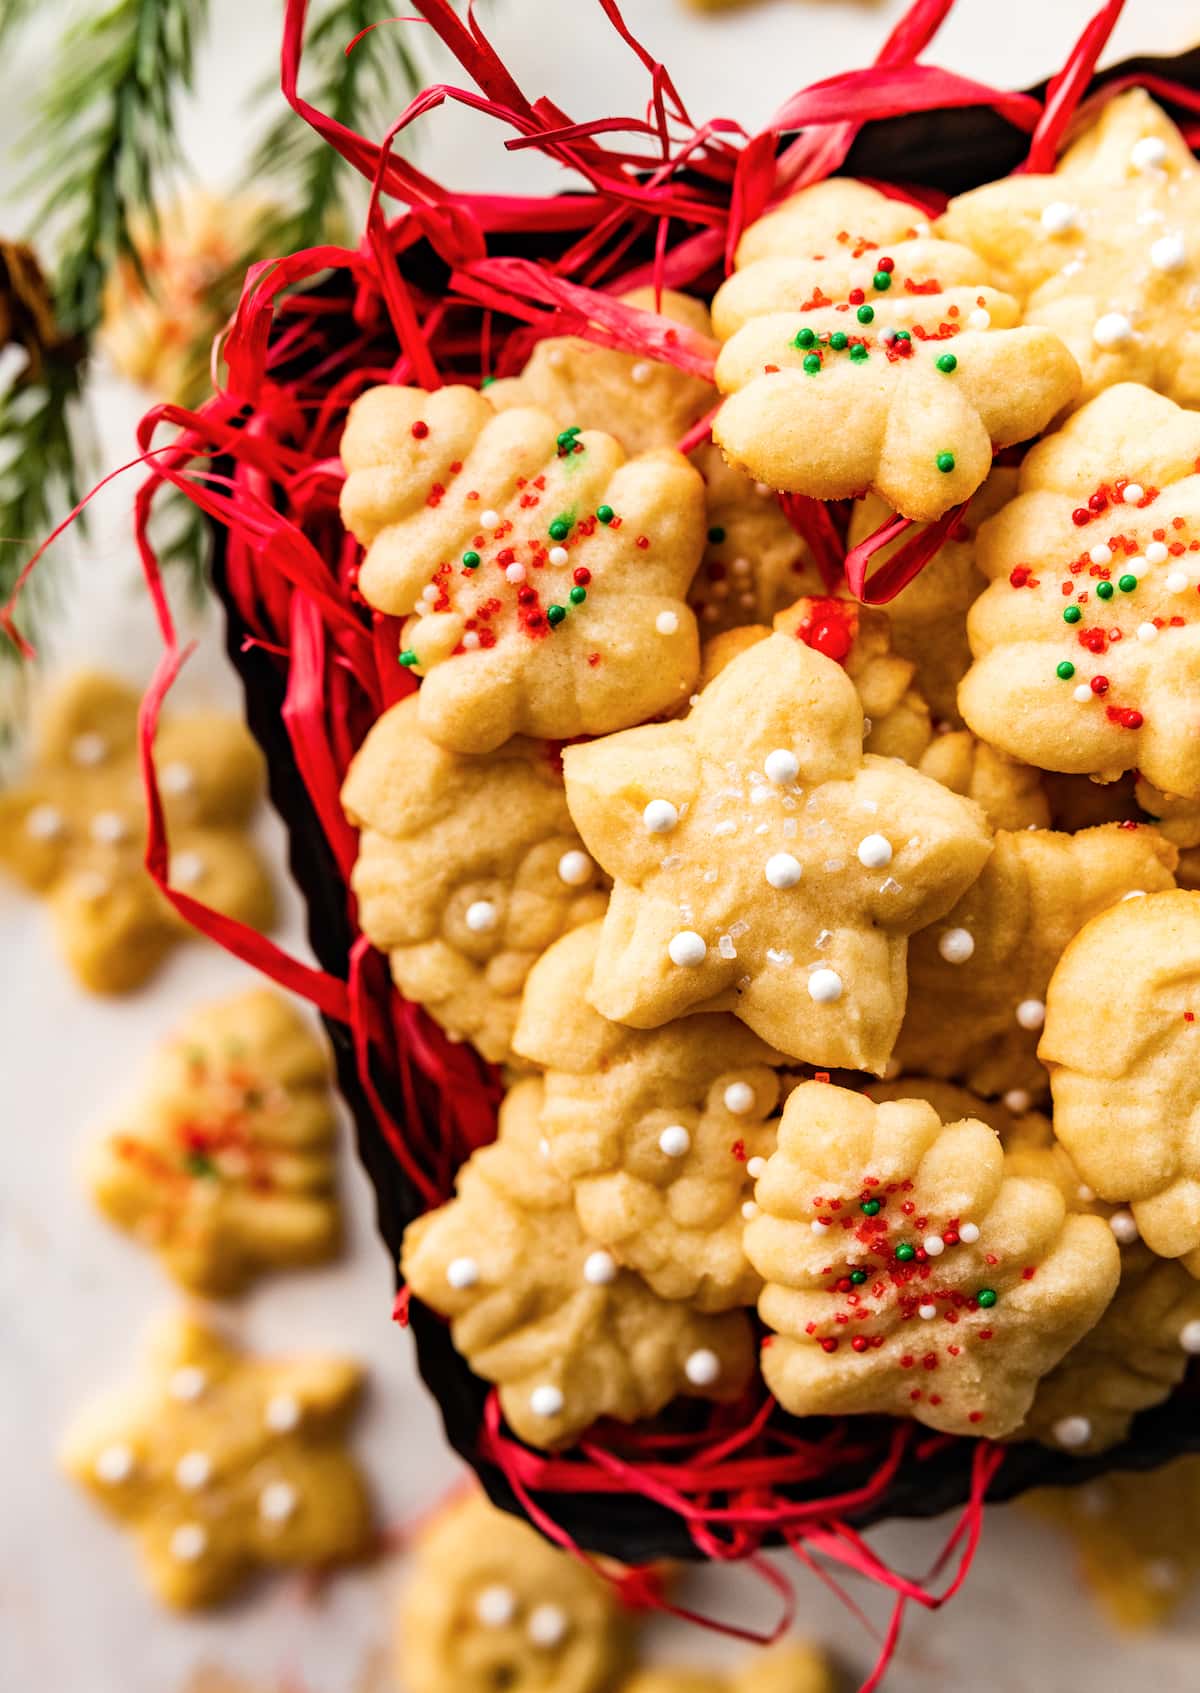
{"x":762,"y":864}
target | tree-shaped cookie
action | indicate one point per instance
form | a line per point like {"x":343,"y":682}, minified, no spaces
{"x":468,"y":867}
{"x":74,"y":829}
{"x":908,"y":1274}
{"x":1087,"y":641}
{"x":1121,"y":1046}
{"x":794,"y":1667}
{"x":542,"y":573}
{"x":659,"y":1131}
{"x":224,"y":1162}
{"x":491,"y":1605}
{"x":1103,"y":251}
{"x":220,"y":1463}
{"x":541,"y":1310}
{"x":978,"y":978}
{"x":764,"y":865}
{"x":861,"y":355}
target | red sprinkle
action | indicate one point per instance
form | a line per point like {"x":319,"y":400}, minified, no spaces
{"x":420,"y":430}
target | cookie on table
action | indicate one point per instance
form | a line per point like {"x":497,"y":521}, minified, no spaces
{"x":908,"y":1274}
{"x":468,"y":868}
{"x":794,"y":1667}
{"x":224,"y":1163}
{"x":544,"y":1312}
{"x":1087,"y":641}
{"x":73,"y":829}
{"x":861,"y":354}
{"x":541,"y":572}
{"x":660,"y":1132}
{"x":1120,"y":1043}
{"x":978,"y":978}
{"x":762,"y":864}
{"x":1011,"y":795}
{"x":220,"y":1463}
{"x":1102,"y":251}
{"x":490,"y":1605}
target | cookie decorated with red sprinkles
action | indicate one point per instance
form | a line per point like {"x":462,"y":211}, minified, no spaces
{"x":906,"y":1273}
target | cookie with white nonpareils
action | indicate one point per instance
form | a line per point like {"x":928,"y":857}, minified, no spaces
{"x":906,"y":1273}
{"x":862,"y":355}
{"x":220,"y":1463}
{"x":978,"y":979}
{"x":544,"y":1312}
{"x":661,"y":1132}
{"x":1087,"y":642}
{"x":468,"y":868}
{"x":1120,"y":1042}
{"x":542,"y":573}
{"x":1103,"y":251}
{"x":73,"y":829}
{"x":224,"y":1163}
{"x":762,"y":864}
{"x":491,"y":1605}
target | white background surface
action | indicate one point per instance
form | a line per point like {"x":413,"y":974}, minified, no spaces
{"x":73,"y":1295}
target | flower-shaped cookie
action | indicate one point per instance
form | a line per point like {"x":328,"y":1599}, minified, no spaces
{"x":978,"y":978}
{"x":763,"y":865}
{"x":468,"y":867}
{"x":1087,"y":641}
{"x":1122,"y":1044}
{"x":1103,"y":252}
{"x":660,"y":1132}
{"x":74,"y":829}
{"x":861,"y":355}
{"x":794,"y":1667}
{"x":220,"y":1463}
{"x":224,"y":1164}
{"x":908,"y":1274}
{"x":1011,"y":794}
{"x":491,"y":1605}
{"x":545,"y":572}
{"x":540,"y":1309}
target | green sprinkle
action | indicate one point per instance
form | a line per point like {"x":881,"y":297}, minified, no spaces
{"x":805,"y":338}
{"x":881,"y":281}
{"x":1127,"y":583}
{"x":1104,"y":590}
{"x":555,"y":615}
{"x":561,"y":528}
{"x":1072,"y":614}
{"x":577,"y":596}
{"x":838,"y":340}
{"x":567,"y":438}
{"x":902,"y":335}
{"x":1065,"y":670}
{"x":487,"y":381}
{"x":947,"y":363}
{"x":812,"y":363}
{"x":870,"y":1207}
{"x":905,"y":1252}
{"x":408,"y":657}
{"x":604,"y":513}
{"x":858,"y":1277}
{"x":945,"y":462}
{"x":986,"y":1297}
{"x":716,"y":534}
{"x":866,"y":314}
{"x":858,"y":352}
{"x":471,"y":560}
{"x":199,"y":1164}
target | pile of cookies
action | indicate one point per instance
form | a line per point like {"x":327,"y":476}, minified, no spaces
{"x":843,"y":963}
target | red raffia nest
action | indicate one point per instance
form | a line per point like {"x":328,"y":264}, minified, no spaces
{"x":459,"y":287}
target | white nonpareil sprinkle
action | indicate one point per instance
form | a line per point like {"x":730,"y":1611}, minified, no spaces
{"x":1017,"y":1101}
{"x":1072,"y":1431}
{"x":968,"y":1233}
{"x":481,"y":916}
{"x":739,"y":1098}
{"x":675,"y":1141}
{"x":470,"y":640}
{"x":1031,"y":1013}
{"x":89,"y":748}
{"x":782,"y":870}
{"x":1148,"y":154}
{"x":667,"y":622}
{"x":927,"y":1312}
{"x":187,"y":1383}
{"x":956,"y":945}
{"x":282,"y":1413}
{"x":1156,"y":552}
{"x":90,"y":885}
{"x":1137,"y":566}
{"x":1101,"y":554}
{"x":659,"y":816}
{"x":547,"y":1626}
{"x":489,"y":519}
{"x":496,"y":1607}
{"x":980,"y":318}
{"x":546,"y":1401}
{"x":749,"y":1211}
{"x":1124,"y":1228}
{"x":819,"y":1225}
{"x":1168,"y":253}
{"x":1189,"y":1336}
{"x":702,"y":1367}
{"x":641,"y":372}
{"x":825,"y":986}
{"x":194,"y":1471}
{"x":781,"y":766}
{"x":1112,"y":330}
{"x":687,"y":948}
{"x":116,"y":1463}
{"x":108,"y":827}
{"x":514,"y":572}
{"x":188,"y":1542}
{"x":755,"y":1167}
{"x":1132,"y":493}
{"x":1176,"y":582}
{"x":188,"y":868}
{"x":575,"y":868}
{"x":1082,"y":694}
{"x":557,"y":555}
{"x":44,"y":823}
{"x":430,"y":593}
{"x":277,"y":1501}
{"x":874,"y":852}
{"x":1059,"y":216}
{"x":1147,"y":632}
{"x":462,"y":1272}
{"x":934,"y":1245}
{"x":599,"y":1268}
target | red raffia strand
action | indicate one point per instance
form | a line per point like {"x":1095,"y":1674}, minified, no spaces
{"x":813,"y":521}
{"x":1064,"y":91}
{"x":260,"y":459}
